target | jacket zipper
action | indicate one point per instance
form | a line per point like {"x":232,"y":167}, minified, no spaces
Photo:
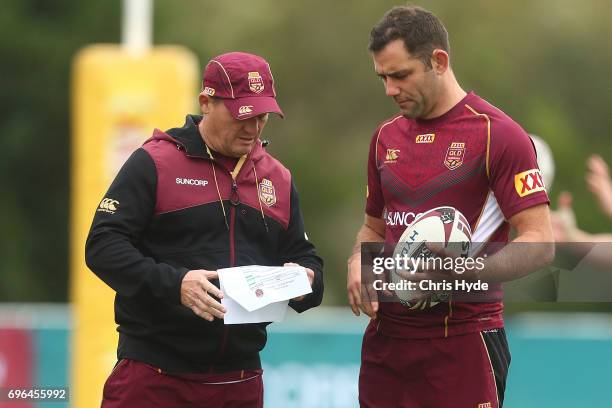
{"x":232,"y":247}
{"x":232,"y":238}
{"x":232,"y":264}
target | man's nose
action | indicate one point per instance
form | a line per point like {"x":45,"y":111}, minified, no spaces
{"x":391,"y":89}
{"x":251,"y":125}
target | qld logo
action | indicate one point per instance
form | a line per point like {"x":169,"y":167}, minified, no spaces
{"x":256,"y":83}
{"x":454,"y":155}
{"x":266,"y":192}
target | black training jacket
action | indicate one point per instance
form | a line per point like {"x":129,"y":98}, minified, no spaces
{"x":162,"y":217}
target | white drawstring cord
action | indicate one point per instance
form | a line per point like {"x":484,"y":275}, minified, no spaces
{"x":259,"y":198}
{"x":236,"y":169}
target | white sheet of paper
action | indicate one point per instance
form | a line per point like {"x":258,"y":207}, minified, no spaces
{"x":236,"y":314}
{"x":260,"y":293}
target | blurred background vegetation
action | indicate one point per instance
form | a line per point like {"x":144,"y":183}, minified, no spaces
{"x":546,"y":63}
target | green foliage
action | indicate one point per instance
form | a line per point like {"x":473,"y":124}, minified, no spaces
{"x":37,"y":42}
{"x":544,"y":62}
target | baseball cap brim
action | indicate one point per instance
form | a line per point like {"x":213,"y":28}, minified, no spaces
{"x":244,"y":108}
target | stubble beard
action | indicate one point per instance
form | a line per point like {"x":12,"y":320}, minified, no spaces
{"x":415,"y":113}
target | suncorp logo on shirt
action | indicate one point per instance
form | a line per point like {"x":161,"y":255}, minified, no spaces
{"x":403,"y":218}
{"x":191,"y":182}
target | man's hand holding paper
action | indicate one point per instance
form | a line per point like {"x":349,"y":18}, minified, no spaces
{"x":309,"y":273}
{"x":261,"y":293}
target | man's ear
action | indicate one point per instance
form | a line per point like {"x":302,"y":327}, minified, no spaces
{"x":205,"y":102}
{"x":440,"y":61}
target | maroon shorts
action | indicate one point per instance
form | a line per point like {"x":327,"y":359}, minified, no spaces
{"x":135,"y":384}
{"x":466,"y":371}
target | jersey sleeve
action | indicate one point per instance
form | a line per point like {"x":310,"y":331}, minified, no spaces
{"x":514,"y":175}
{"x":375,"y":202}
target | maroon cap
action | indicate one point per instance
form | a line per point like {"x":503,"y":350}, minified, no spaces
{"x":244,"y":82}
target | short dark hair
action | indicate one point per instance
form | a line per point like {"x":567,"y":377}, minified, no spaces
{"x":420,"y":30}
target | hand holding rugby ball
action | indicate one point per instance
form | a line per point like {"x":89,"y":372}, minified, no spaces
{"x":444,"y":226}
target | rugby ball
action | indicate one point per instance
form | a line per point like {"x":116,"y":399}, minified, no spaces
{"x":445,"y":226}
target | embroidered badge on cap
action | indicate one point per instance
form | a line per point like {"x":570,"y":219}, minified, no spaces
{"x":256,"y":83}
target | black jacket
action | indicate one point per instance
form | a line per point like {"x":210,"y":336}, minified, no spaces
{"x":162,"y":217}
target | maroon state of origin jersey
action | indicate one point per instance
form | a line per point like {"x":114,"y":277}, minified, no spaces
{"x":474,"y":158}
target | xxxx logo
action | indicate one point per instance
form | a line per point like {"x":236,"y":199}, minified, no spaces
{"x":528,"y":182}
{"x":428,"y":138}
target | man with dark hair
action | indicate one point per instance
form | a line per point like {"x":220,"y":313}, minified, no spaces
{"x":190,"y":201}
{"x":421,"y":31}
{"x":446,"y":148}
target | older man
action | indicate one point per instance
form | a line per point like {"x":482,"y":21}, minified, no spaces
{"x":192,"y":200}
